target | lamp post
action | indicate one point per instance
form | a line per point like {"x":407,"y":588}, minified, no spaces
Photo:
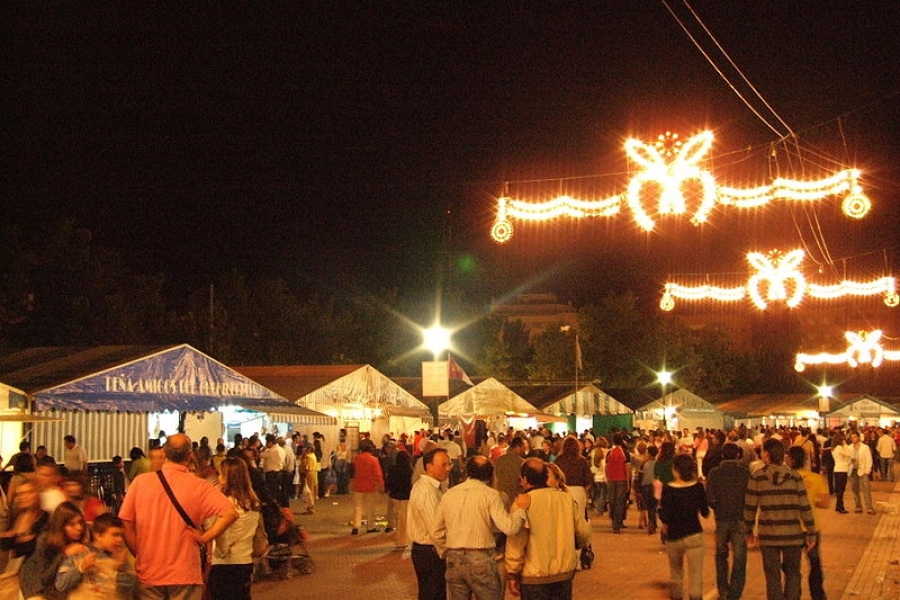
{"x":436,"y":339}
{"x":825,"y":392}
{"x":664,"y":378}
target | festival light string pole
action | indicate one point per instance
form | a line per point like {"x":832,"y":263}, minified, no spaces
{"x":579,"y":365}
{"x":664,"y":379}
{"x":825,"y":394}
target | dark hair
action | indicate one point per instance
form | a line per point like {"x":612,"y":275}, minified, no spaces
{"x":516,"y":442}
{"x":775,"y":449}
{"x":69,"y":438}
{"x":480,"y":468}
{"x":731,"y":451}
{"x":428,"y":457}
{"x":652,"y":451}
{"x":685,"y":466}
{"x":55,"y":534}
{"x":666,"y":451}
{"x":797,"y":456}
{"x":366,"y":445}
{"x":24,"y":445}
{"x":535,"y":473}
{"x":105,"y":521}
{"x":24,"y":463}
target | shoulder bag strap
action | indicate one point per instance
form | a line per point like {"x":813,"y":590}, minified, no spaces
{"x":174,"y":500}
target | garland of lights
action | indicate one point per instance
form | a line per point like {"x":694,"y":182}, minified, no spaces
{"x":669,"y":164}
{"x":779,"y":276}
{"x":864,"y":349}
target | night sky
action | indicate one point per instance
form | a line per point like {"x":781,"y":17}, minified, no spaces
{"x":329,"y":143}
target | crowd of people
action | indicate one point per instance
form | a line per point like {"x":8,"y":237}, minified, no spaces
{"x":762,"y":486}
{"x":508,"y":512}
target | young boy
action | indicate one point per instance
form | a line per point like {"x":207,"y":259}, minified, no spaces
{"x":102,"y":573}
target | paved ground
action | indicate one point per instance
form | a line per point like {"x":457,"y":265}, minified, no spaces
{"x":861,"y":558}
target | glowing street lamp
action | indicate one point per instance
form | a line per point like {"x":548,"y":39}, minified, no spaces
{"x":436,"y":339}
{"x":825,"y":393}
{"x":664,"y":378}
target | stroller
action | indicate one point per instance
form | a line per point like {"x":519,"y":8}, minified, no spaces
{"x":287,"y":554}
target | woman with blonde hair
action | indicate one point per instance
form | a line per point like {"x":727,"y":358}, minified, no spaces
{"x":232,"y":557}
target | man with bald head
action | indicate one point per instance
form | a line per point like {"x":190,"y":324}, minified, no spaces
{"x":166,"y":548}
{"x":464,"y":526}
{"x":541,"y":559}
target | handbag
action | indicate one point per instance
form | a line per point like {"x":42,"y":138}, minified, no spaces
{"x":204,"y":559}
{"x":260,"y":539}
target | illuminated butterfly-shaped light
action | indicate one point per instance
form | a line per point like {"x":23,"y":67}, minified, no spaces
{"x":777,"y":270}
{"x":670,"y":170}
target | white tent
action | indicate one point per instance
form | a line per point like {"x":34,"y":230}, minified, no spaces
{"x":356,"y":395}
{"x":490,"y":398}
{"x":679,"y":409}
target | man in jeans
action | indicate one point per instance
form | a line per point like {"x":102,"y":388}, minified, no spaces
{"x":726,"y":485}
{"x":785,"y":523}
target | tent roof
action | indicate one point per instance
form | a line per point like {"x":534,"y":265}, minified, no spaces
{"x":295,"y":381}
{"x":324,"y":387}
{"x":556,"y":398}
{"x":139,"y":379}
{"x":36,"y":369}
{"x":488,"y":398}
{"x":679,"y":398}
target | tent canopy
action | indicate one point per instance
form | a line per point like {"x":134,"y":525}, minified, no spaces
{"x":491,"y":398}
{"x":139,"y":379}
{"x":333,"y":388}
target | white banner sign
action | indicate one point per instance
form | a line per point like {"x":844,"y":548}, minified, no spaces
{"x":435,"y":378}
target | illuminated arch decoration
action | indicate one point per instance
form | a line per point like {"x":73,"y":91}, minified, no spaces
{"x":864,"y":348}
{"x":669,"y":164}
{"x":778,"y":278}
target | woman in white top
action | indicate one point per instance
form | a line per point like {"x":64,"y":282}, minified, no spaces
{"x":232,"y":558}
{"x":841,"y":454}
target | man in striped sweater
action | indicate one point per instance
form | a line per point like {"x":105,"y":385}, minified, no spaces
{"x":777,"y":505}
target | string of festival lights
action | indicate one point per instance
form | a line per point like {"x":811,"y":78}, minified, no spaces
{"x":863,"y":348}
{"x":778,"y":277}
{"x":668,"y":164}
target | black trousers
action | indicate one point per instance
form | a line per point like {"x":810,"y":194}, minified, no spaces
{"x":230,"y":582}
{"x":430,"y":569}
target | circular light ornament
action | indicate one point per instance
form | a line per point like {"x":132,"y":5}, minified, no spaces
{"x":892,"y":299}
{"x":667,"y":303}
{"x":502,"y":231}
{"x":856,"y":205}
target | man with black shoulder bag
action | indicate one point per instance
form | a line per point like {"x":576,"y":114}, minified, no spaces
{"x":162,"y":512}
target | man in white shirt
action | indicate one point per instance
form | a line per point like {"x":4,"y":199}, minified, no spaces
{"x":423,"y":503}
{"x":860,"y":468}
{"x":287,"y":471}
{"x":464,"y":525}
{"x":886,"y":447}
{"x":76,"y":459}
{"x":273,"y":464}
{"x":455,"y":452}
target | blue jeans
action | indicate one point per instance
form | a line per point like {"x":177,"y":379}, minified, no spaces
{"x":618,"y":494}
{"x":652,"y":504}
{"x":691,"y":548}
{"x":600,"y":496}
{"x":731,"y":533}
{"x":473,"y":571}
{"x":561,"y":590}
{"x":887,"y":468}
{"x":778,"y":559}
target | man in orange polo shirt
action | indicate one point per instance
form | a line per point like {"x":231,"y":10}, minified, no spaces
{"x":166,"y":549}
